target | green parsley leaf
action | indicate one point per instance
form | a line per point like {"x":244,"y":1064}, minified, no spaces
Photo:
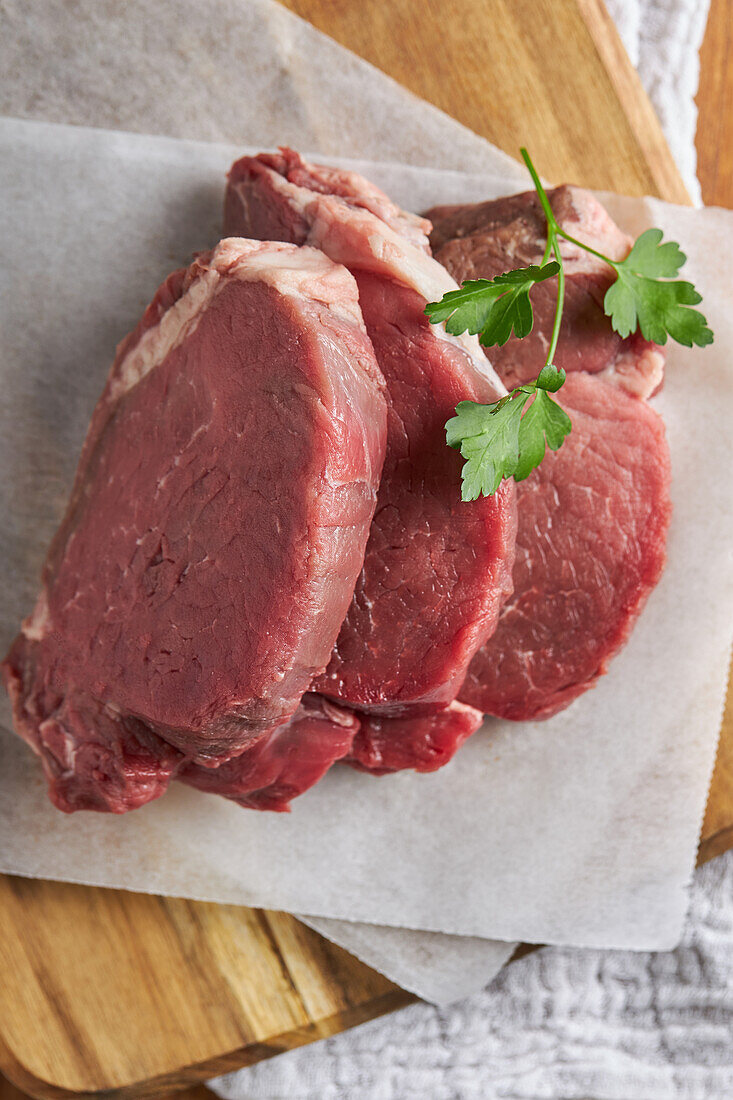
{"x":543,"y":420}
{"x":495,"y":308}
{"x":501,"y":440}
{"x":550,"y":378}
{"x":509,"y":437}
{"x":465,"y":309}
{"x":649,"y":256}
{"x":644,"y":297}
{"x":488,"y":438}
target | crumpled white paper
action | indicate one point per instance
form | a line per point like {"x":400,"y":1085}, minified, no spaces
{"x":247,"y":71}
{"x":437,"y":967}
{"x":578,"y":830}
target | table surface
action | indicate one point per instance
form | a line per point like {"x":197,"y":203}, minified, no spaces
{"x":715,"y":157}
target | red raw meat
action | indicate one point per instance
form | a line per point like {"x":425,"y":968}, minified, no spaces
{"x":424,"y":742}
{"x":284,"y":763}
{"x":593,"y":521}
{"x":215,"y":532}
{"x":482,"y":240}
{"x":436,"y":570}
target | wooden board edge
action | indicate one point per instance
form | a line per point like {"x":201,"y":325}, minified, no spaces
{"x":635,"y":102}
{"x":236,"y":1059}
{"x":715,"y":845}
{"x":715,"y":108}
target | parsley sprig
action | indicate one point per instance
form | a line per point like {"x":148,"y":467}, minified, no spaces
{"x":493,"y":308}
{"x":497,"y":441}
{"x":646,"y":296}
{"x":508,"y":438}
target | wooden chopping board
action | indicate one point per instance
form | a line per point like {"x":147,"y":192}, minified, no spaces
{"x":130,"y":995}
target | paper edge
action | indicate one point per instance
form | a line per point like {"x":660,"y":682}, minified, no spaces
{"x":411,"y":985}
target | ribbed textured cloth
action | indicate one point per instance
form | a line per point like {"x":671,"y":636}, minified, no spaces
{"x":561,"y":1024}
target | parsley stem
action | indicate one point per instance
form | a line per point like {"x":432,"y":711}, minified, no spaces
{"x":552,"y":246}
{"x":551,"y":221}
{"x":560,"y":302}
{"x":552,"y":224}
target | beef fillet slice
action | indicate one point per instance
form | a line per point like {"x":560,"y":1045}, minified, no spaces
{"x":436,"y":570}
{"x":593,"y":521}
{"x":215,"y":531}
{"x":593,"y":516}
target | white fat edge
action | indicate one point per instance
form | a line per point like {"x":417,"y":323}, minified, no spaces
{"x":292,"y":271}
{"x":299,"y":198}
{"x":71,"y":746}
{"x":161,"y":339}
{"x":431,"y":280}
{"x":38,"y":623}
{"x":299,"y":272}
{"x":367,"y":195}
{"x":597,"y":228}
{"x":394,"y":254}
{"x":639,"y":375}
{"x":314,"y":258}
{"x":338,"y":715}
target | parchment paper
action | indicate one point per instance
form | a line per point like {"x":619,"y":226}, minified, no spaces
{"x":437,"y":967}
{"x":579,"y":830}
{"x":245,"y":70}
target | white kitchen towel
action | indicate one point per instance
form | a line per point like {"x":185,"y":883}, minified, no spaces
{"x":561,"y":1024}
{"x":663,"y":40}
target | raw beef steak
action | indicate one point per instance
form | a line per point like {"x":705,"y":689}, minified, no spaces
{"x":481,"y":241}
{"x":215,"y":531}
{"x":284,"y":763}
{"x":424,"y":742}
{"x":436,"y":570}
{"x":593,"y":521}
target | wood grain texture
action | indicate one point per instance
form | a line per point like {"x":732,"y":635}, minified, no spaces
{"x":651,"y":142}
{"x":130,"y":995}
{"x":715,"y":107}
{"x":108,"y":989}
{"x":519,"y":72}
{"x":8,"y":1091}
{"x":717,"y":827}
